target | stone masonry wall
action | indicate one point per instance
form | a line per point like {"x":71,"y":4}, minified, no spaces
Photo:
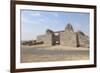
{"x":47,"y":39}
{"x":83,"y":39}
{"x":68,"y":39}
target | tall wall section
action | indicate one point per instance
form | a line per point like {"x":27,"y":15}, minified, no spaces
{"x":82,"y":39}
{"x":68,"y":37}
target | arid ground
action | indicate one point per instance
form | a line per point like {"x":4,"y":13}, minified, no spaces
{"x":54,"y":53}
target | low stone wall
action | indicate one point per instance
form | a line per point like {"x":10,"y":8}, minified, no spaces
{"x":47,"y":39}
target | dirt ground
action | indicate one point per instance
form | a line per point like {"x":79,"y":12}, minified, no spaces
{"x":53,"y":53}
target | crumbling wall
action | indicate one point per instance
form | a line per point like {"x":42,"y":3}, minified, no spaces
{"x":47,"y":38}
{"x":83,"y":39}
{"x":68,"y":37}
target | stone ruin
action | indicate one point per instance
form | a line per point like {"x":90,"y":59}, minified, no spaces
{"x":67,"y":38}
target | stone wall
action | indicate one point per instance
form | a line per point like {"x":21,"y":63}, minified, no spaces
{"x":46,"y":38}
{"x":68,"y":37}
{"x":82,"y":39}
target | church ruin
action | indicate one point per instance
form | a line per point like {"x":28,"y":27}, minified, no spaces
{"x":66,"y":37}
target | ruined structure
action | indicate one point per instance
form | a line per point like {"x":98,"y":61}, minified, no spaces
{"x":82,"y":39}
{"x":67,"y":38}
{"x":47,"y":38}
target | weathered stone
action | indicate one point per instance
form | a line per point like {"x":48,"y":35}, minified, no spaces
{"x":83,"y":40}
{"x":69,"y":28}
{"x":48,"y":31}
{"x":47,"y":39}
{"x":67,"y":38}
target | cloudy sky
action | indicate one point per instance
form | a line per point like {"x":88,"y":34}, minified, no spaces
{"x":35,"y":23}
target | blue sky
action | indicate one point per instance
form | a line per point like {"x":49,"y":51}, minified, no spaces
{"x":35,"y":23}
